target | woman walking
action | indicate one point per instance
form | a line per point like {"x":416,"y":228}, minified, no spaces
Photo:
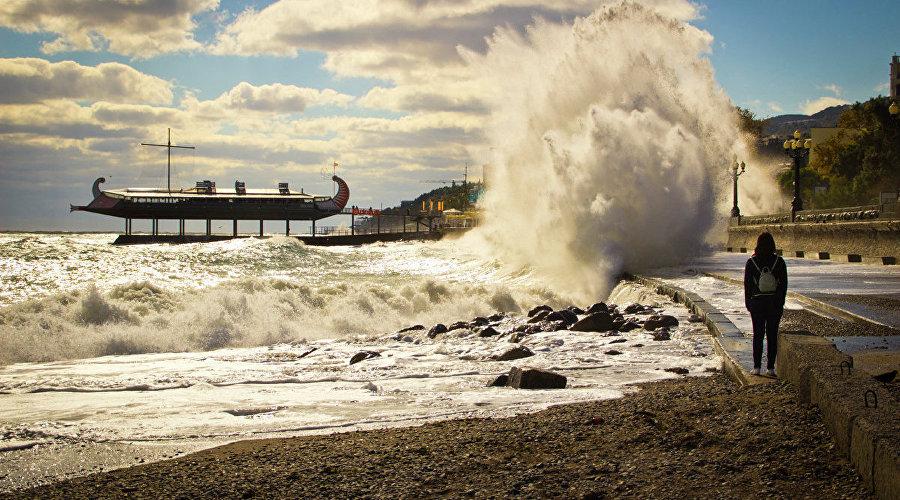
{"x":765,"y":288}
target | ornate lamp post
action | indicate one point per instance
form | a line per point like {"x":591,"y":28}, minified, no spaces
{"x":735,"y":211}
{"x":894,"y":109}
{"x":797,"y":149}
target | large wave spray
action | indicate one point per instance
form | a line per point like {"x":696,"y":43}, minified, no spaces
{"x":609,"y":145}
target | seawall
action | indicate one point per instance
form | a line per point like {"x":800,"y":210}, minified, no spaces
{"x":871,"y":242}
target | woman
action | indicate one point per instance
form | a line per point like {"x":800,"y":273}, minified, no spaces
{"x":765,"y":288}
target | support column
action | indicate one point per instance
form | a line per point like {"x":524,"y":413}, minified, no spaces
{"x":287,"y":228}
{"x":314,"y":228}
{"x":208,"y":227}
{"x":234,"y":229}
{"x":404,"y":223}
{"x":352,"y":224}
{"x":180,"y":227}
{"x":260,"y":227}
{"x":379,"y":222}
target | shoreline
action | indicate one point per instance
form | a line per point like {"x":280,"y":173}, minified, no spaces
{"x":694,"y":436}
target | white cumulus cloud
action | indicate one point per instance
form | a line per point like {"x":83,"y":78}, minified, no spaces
{"x":811,"y":107}
{"x":27,"y":80}
{"x":139,"y":28}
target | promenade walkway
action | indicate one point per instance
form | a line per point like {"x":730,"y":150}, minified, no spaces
{"x":853,"y":292}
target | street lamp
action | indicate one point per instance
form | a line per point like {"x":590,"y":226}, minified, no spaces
{"x":797,"y":149}
{"x":894,"y":109}
{"x":735,"y":211}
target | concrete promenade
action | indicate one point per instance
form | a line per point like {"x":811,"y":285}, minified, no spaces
{"x":835,"y":373}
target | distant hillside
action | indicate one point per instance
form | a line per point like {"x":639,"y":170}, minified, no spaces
{"x":785,"y":125}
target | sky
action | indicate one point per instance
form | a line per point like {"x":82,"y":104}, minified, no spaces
{"x":279,"y":91}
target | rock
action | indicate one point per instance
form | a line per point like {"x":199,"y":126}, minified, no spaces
{"x":694,"y":318}
{"x":563,"y":315}
{"x":500,"y":381}
{"x":479,"y":321}
{"x":363,"y":355}
{"x":628,"y":326}
{"x":517,"y":352}
{"x":552,"y":326}
{"x":612,"y":352}
{"x":539,"y":316}
{"x":598,"y":307}
{"x":661,"y":334}
{"x":618,"y":341}
{"x":677,"y":369}
{"x":437,"y":330}
{"x":458,"y":325}
{"x":488,"y":331}
{"x":633,"y":308}
{"x":412,"y":328}
{"x":496,"y":317}
{"x":516,"y":337}
{"x":575,"y":309}
{"x":638,"y":345}
{"x":535,"y":378}
{"x":538,"y":309}
{"x":660,"y":321}
{"x":596,"y":322}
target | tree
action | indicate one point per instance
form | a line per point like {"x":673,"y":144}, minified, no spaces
{"x":750,"y":124}
{"x":863,"y":159}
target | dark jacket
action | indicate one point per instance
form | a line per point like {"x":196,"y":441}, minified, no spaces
{"x":751,"y":277}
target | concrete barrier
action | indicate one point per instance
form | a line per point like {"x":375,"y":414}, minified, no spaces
{"x":875,"y":241}
{"x":861,"y":415}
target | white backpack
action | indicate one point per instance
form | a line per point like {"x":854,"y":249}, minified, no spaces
{"x":767,"y":282}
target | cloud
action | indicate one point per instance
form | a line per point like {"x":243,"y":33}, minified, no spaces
{"x":813,"y":107}
{"x":139,"y":28}
{"x":775,"y":107}
{"x":834,"y":88}
{"x":881,"y":88}
{"x":27,"y":80}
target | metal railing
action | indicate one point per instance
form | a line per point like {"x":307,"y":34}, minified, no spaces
{"x":861,"y":213}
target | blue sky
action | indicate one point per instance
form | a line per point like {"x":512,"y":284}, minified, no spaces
{"x":272,"y":91}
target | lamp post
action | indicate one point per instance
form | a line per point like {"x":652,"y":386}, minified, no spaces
{"x":797,"y":149}
{"x":735,"y":211}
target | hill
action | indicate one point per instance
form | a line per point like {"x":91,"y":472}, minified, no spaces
{"x":785,"y":125}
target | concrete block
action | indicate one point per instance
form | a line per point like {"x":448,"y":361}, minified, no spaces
{"x":868,"y":430}
{"x":886,"y":471}
{"x":807,"y":360}
{"x":841,"y":400}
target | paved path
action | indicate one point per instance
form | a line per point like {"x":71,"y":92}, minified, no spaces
{"x":849,"y":291}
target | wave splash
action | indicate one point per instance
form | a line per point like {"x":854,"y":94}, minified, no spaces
{"x":609,"y":141}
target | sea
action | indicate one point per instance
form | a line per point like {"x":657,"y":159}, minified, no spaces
{"x":200,"y":344}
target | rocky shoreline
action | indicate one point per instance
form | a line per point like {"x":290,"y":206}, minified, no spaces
{"x":688,"y":437}
{"x":697,"y":436}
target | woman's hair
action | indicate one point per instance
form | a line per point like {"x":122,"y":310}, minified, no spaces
{"x":765,"y":244}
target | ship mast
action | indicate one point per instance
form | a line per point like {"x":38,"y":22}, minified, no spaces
{"x":168,"y":147}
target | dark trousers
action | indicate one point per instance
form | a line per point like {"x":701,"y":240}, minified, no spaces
{"x":766,"y":314}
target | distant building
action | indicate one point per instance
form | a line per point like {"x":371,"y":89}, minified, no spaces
{"x":895,"y":77}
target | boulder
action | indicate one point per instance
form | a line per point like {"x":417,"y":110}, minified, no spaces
{"x":628,"y":326}
{"x":458,"y":325}
{"x":618,"y":341}
{"x":694,"y":318}
{"x":563,"y":315}
{"x":535,"y":378}
{"x":496,"y":317}
{"x":661,"y":334}
{"x":660,"y":321}
{"x":679,"y":370}
{"x":363,"y":355}
{"x":488,"y":331}
{"x":437,"y":330}
{"x":500,"y":381}
{"x":596,"y":322}
{"x":612,"y":352}
{"x":552,"y":326}
{"x":517,"y":352}
{"x":538,"y":309}
{"x":599,"y":307}
{"x":575,"y":309}
{"x":479,"y":321}
{"x":412,"y":328}
{"x":633,"y":308}
{"x":539,"y":316}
